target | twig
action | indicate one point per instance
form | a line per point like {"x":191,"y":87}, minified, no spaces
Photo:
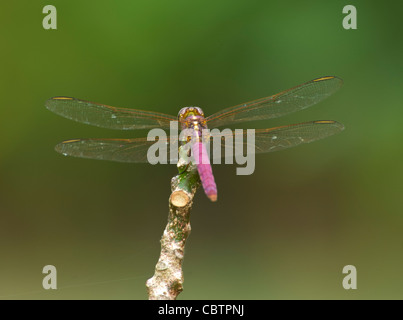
{"x":167,"y":282}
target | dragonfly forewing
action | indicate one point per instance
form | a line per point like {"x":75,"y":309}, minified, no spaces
{"x":104,"y":116}
{"x":291,"y":100}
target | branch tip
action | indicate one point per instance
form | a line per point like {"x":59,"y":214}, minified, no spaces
{"x":179,"y":199}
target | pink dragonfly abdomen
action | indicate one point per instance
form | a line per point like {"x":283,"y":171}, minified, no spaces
{"x":205,"y":171}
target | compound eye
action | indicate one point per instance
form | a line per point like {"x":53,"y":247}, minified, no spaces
{"x":200,"y":111}
{"x":182,"y":112}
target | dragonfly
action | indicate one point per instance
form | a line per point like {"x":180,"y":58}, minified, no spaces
{"x":135,"y":150}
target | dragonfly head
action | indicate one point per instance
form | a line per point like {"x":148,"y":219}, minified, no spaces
{"x":189,"y":112}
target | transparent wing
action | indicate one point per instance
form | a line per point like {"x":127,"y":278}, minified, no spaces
{"x":221,"y":144}
{"x":273,"y":139}
{"x":107,"y":117}
{"x":121,"y":150}
{"x":278,"y":105}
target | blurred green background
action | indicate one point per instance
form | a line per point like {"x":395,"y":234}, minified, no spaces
{"x":286,"y":231}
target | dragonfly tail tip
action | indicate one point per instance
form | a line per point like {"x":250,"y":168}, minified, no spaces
{"x":212,"y":197}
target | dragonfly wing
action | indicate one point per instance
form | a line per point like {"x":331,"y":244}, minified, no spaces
{"x":107,"y":117}
{"x":121,"y":150}
{"x":273,"y":139}
{"x":278,"y":105}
